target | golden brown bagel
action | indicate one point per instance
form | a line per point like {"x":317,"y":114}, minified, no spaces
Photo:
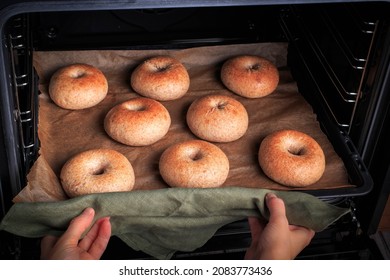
{"x":162,"y":78}
{"x":291,"y":158}
{"x":137,"y":122}
{"x":78,"y":86}
{"x":194,"y":164}
{"x":217,"y":118}
{"x":97,"y":171}
{"x":250,"y":76}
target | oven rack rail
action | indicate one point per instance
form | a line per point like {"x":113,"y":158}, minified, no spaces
{"x":24,"y":86}
{"x":301,"y":25}
{"x":316,"y":85}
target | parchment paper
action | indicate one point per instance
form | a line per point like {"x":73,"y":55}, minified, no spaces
{"x":64,"y":133}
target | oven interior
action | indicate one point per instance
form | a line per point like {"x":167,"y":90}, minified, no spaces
{"x":337,"y":53}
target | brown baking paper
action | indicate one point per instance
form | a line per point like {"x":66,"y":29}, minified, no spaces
{"x":64,"y":133}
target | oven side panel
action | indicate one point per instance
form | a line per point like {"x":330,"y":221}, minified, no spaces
{"x":9,"y":151}
{"x":375,"y":136}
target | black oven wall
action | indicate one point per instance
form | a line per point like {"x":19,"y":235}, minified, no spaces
{"x":155,"y":28}
{"x":19,"y":110}
{"x":356,"y":66}
{"x":376,"y":135}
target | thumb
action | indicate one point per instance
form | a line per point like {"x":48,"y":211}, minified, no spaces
{"x":78,"y":226}
{"x":276,"y":209}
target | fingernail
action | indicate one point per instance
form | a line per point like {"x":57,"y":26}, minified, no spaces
{"x":103,"y":219}
{"x":270,"y":196}
{"x":88,"y":211}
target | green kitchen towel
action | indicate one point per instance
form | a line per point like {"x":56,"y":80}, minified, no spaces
{"x":161,"y":222}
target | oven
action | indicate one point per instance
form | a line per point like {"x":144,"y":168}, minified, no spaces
{"x":337,"y":52}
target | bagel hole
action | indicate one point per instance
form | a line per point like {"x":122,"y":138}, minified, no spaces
{"x":78,"y":74}
{"x":196,"y":155}
{"x":99,"y":171}
{"x":137,"y":107}
{"x":296,"y":151}
{"x":254,"y":67}
{"x":140,"y":108}
{"x":162,"y":68}
{"x":221,"y":105}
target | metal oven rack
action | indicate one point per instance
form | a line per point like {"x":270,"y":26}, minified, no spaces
{"x":335,"y":51}
{"x":23,"y":88}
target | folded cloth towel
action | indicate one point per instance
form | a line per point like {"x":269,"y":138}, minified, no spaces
{"x":161,"y":222}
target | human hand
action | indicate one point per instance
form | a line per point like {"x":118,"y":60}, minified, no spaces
{"x":70,"y":247}
{"x":276,"y":240}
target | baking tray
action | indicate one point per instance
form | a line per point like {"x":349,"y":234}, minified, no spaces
{"x":64,"y":133}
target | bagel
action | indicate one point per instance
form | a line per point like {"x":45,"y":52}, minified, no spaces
{"x":97,"y":171}
{"x":78,"y":86}
{"x":162,"y":78}
{"x":194,"y":164}
{"x":217,"y":118}
{"x":291,"y":158}
{"x":250,"y":76}
{"x":137,"y":122}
